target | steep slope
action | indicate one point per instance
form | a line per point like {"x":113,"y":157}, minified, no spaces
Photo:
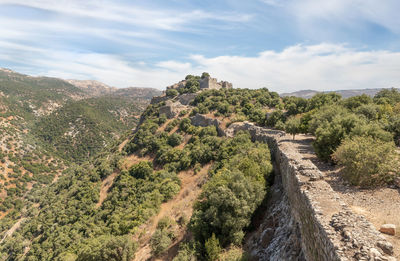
{"x":146,"y":192}
{"x":45,"y":122}
{"x":82,"y":128}
{"x":29,"y":97}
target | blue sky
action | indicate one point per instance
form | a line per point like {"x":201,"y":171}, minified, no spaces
{"x":284,"y":45}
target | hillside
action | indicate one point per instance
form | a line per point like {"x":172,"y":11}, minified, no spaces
{"x":82,"y":128}
{"x":190,"y":183}
{"x":47,"y":124}
{"x":344,"y":93}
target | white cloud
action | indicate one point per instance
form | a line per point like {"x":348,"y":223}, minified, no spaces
{"x":319,"y":67}
{"x":344,"y":12}
{"x":131,"y":14}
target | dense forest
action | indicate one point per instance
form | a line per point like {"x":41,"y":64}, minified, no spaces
{"x":98,"y":208}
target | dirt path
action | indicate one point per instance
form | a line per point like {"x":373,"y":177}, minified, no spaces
{"x":122,"y":145}
{"x":180,"y":206}
{"x":12,"y":229}
{"x":379,"y":206}
{"x":105,"y":186}
{"x":134,"y":159}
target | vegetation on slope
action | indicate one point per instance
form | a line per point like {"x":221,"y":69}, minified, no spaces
{"x":68,"y":221}
{"x":67,"y":218}
{"x":82,"y":128}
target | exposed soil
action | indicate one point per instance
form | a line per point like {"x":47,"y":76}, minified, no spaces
{"x":12,"y":229}
{"x":180,"y":206}
{"x":105,"y":186}
{"x":380,"y":206}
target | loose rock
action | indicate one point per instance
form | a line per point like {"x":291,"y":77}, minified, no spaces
{"x":389,"y":229}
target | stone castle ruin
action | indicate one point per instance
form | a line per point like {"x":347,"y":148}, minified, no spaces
{"x":205,"y":83}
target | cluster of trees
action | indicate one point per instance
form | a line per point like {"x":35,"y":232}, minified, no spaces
{"x":80,"y":129}
{"x":332,"y":120}
{"x":239,"y":104}
{"x":236,"y":189}
{"x":69,"y":225}
{"x":359,"y":133}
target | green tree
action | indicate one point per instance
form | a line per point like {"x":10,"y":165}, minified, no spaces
{"x":174,"y":139}
{"x":205,"y":75}
{"x":107,"y":248}
{"x":171,"y":92}
{"x":292,"y":125}
{"x":367,"y":162}
{"x":213,"y":248}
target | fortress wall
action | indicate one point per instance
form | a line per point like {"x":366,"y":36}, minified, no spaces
{"x":329,"y":230}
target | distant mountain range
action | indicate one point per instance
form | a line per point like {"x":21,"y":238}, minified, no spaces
{"x":345,"y":93}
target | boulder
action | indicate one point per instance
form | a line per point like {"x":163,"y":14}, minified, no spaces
{"x":186,"y":98}
{"x":389,"y":229}
{"x":172,"y":109}
{"x":386,"y":247}
{"x":158,"y":99}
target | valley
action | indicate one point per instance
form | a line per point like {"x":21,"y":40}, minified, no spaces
{"x":206,"y":172}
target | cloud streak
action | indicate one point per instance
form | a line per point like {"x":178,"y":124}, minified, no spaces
{"x":318,"y":67}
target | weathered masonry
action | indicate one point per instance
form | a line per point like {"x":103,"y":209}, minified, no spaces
{"x":327,"y":228}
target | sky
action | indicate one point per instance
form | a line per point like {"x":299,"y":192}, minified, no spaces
{"x":284,"y":45}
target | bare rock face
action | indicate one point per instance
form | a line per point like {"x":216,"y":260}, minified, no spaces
{"x":158,"y":99}
{"x":187,"y":98}
{"x":389,"y":229}
{"x":204,"y":121}
{"x":172,"y":109}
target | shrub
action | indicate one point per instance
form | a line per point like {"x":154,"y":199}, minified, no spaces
{"x":213,"y":248}
{"x":171,"y":92}
{"x":367,"y":162}
{"x":174,"y":139}
{"x":113,"y":248}
{"x":292,"y":125}
{"x":142,"y":170}
{"x":160,"y":241}
{"x":185,"y":253}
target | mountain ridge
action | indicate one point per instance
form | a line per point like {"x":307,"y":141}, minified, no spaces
{"x":345,"y":93}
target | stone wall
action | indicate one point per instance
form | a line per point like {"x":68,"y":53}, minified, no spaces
{"x":328,"y":229}
{"x":204,"y":121}
{"x":212,"y":83}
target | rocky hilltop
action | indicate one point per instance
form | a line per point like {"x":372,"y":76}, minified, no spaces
{"x":208,"y":175}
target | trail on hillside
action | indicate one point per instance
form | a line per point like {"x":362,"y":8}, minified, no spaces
{"x":105,"y":186}
{"x":180,"y":206}
{"x":11,"y":231}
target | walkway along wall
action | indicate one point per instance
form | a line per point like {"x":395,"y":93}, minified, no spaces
{"x":329,"y":230}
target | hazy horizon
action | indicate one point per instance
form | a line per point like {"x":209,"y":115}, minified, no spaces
{"x":285,"y":46}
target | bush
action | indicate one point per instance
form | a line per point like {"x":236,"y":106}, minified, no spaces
{"x":367,"y":162}
{"x":213,"y":248}
{"x":171,"y":92}
{"x":142,"y":170}
{"x":113,"y":248}
{"x":174,"y":139}
{"x":185,"y":253}
{"x":292,"y":125}
{"x":162,"y":237}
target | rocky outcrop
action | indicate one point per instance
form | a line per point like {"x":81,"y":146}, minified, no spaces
{"x":172,"y":109}
{"x":328,"y":229}
{"x":158,"y":99}
{"x":278,"y":237}
{"x":204,"y":121}
{"x":187,"y":98}
{"x":212,"y":83}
